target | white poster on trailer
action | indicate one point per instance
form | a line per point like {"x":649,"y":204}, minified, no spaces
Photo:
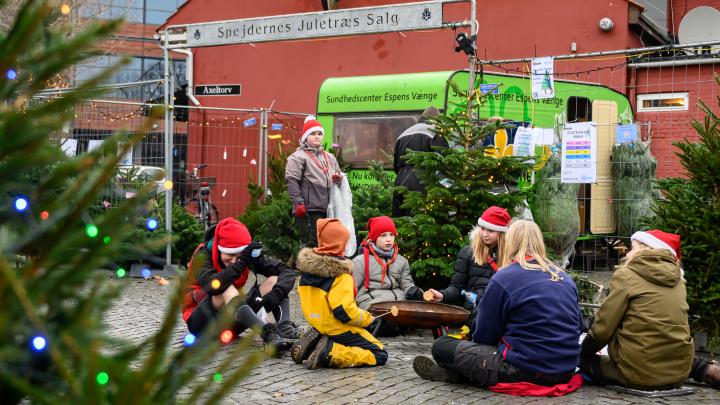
{"x":543,"y":85}
{"x":579,"y":153}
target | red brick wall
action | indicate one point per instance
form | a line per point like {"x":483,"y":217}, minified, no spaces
{"x":667,"y":127}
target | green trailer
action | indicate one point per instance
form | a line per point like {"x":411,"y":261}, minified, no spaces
{"x":364,"y":115}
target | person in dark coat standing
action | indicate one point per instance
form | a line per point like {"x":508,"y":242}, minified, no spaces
{"x":420,"y":137}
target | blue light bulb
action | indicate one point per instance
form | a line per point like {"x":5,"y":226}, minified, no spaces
{"x":39,"y":343}
{"x":21,"y":204}
{"x":151,"y":224}
{"x":146,"y":273}
{"x":11,"y":74}
{"x":189,"y":339}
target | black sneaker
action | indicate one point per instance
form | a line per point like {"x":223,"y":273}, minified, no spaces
{"x":319,"y":357}
{"x":302,"y":348}
{"x":274,"y":343}
{"x":427,"y":369}
{"x":288,"y":330}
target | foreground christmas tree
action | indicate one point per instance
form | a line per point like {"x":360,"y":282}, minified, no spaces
{"x":691,"y":208}
{"x":55,"y":348}
{"x":461,"y":182}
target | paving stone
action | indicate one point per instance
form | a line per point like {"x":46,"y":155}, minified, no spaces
{"x":140,"y":310}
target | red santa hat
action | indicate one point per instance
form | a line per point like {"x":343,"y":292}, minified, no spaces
{"x":379,"y":225}
{"x":495,"y":219}
{"x":311,"y":125}
{"x":659,"y":240}
{"x":231,"y":236}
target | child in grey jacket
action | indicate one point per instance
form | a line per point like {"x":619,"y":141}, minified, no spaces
{"x":380,"y":273}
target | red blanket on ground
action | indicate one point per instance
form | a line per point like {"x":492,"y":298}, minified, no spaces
{"x":533,"y":390}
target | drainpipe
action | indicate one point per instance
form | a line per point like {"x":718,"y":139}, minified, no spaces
{"x":189,"y":74}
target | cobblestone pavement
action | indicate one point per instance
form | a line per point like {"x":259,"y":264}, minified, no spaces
{"x":140,"y":310}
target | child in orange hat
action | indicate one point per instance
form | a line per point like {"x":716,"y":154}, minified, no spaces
{"x":327,"y":296}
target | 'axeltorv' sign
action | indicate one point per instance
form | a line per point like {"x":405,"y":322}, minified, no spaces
{"x":402,"y":17}
{"x":217,"y":90}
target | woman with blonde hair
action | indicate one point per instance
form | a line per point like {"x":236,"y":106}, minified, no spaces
{"x":476,"y":263}
{"x":528,"y":327}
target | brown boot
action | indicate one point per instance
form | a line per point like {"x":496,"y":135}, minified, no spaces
{"x":302,"y":348}
{"x":712,"y":374}
{"x":426,"y":368}
{"x":320,"y":357}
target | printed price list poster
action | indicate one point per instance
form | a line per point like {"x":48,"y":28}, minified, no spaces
{"x":579,"y":153}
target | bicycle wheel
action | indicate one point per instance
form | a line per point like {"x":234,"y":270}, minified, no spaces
{"x":192,"y":206}
{"x":205,"y":213}
{"x":214,"y":214}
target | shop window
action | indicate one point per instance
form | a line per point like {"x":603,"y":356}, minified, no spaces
{"x":662,"y":102}
{"x":363,"y":138}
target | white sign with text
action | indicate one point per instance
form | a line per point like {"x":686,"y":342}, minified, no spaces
{"x":367,"y":20}
{"x":579,"y":153}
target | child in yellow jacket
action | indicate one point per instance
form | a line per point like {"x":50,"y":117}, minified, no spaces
{"x":338,"y":338}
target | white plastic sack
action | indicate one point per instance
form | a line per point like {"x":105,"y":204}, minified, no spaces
{"x":340,"y":207}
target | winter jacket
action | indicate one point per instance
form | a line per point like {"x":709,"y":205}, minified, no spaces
{"x":308,"y":183}
{"x":396,"y":283}
{"x":327,"y":294}
{"x":468,"y":276}
{"x":535,"y":322}
{"x":644,"y":321}
{"x":420,"y":138}
{"x":261,"y":265}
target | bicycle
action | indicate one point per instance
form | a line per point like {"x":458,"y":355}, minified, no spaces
{"x":200,"y":204}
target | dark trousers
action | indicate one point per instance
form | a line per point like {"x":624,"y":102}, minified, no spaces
{"x":484,"y":365}
{"x":603,"y":371}
{"x":307,"y":228}
{"x":205,"y":313}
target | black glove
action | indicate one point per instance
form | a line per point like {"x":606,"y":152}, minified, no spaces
{"x":414,"y":293}
{"x":247,"y":253}
{"x":590,"y":346}
{"x":270,"y":301}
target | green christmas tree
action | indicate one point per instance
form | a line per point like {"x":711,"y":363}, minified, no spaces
{"x":691,"y":208}
{"x":55,"y":348}
{"x":461,"y":182}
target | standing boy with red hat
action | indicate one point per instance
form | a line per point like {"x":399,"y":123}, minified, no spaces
{"x":644,"y":322}
{"x":338,"y":338}
{"x":380,"y":272}
{"x":309,"y":174}
{"x":231,"y":255}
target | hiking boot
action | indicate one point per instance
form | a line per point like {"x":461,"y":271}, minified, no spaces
{"x":427,"y":369}
{"x":712,"y":374}
{"x":288,"y":330}
{"x":302,"y":348}
{"x":274,"y":343}
{"x":320,"y":356}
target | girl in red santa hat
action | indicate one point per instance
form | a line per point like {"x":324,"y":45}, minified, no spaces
{"x":231,"y":255}
{"x":309,"y":174}
{"x":644,"y":322}
{"x":476,"y":263}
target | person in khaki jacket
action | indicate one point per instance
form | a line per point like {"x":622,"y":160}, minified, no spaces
{"x":644,"y":322}
{"x":309,"y":175}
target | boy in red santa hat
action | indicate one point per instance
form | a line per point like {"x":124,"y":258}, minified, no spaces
{"x":309,"y":174}
{"x":231,"y":256}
